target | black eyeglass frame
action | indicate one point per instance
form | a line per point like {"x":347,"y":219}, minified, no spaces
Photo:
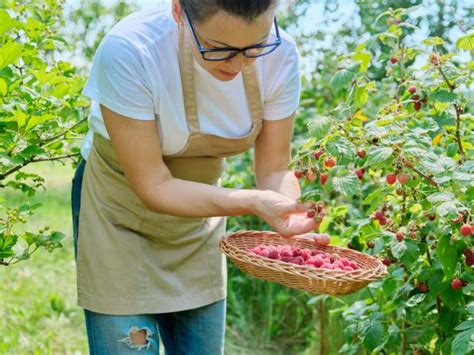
{"x":236,"y":51}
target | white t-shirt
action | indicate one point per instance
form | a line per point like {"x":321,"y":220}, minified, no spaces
{"x":135,"y":73}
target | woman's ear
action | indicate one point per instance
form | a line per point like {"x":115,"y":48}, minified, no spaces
{"x":176,"y":11}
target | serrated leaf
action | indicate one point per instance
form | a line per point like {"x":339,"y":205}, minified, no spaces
{"x":9,"y":53}
{"x":374,"y":335}
{"x":433,"y":41}
{"x":361,"y":96}
{"x":3,"y":87}
{"x":342,"y":78}
{"x":440,"y":197}
{"x":447,"y":255}
{"x":462,"y":343}
{"x":446,"y":208}
{"x":319,"y":126}
{"x":466,"y":42}
{"x":416,"y":299}
{"x":444,"y":96}
{"x":348,"y":185}
{"x":378,"y":154}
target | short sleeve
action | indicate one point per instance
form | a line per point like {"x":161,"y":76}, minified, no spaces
{"x":118,"y":81}
{"x":282,"y":91}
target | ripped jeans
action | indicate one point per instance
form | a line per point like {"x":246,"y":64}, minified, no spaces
{"x":191,"y":332}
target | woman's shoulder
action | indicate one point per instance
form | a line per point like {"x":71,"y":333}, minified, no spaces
{"x":144,"y":29}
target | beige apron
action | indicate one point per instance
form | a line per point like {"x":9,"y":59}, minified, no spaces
{"x":134,"y":261}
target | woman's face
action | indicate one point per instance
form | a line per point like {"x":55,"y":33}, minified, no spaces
{"x":223,"y":30}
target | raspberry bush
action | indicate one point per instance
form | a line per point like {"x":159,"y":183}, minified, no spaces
{"x":394,"y":163}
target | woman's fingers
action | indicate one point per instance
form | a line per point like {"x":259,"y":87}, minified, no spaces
{"x":319,"y":239}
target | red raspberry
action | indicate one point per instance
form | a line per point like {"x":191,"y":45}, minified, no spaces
{"x":323,"y":178}
{"x":306,"y":254}
{"x":317,"y":261}
{"x":417,"y":105}
{"x":412,"y":89}
{"x":394,"y":60}
{"x":399,"y":236}
{"x":361,"y":153}
{"x":403,"y":179}
{"x":298,"y":260}
{"x":466,"y":230}
{"x":311,"y":213}
{"x":330,"y":163}
{"x":391,"y":179}
{"x":435,"y":59}
{"x":297,"y":252}
{"x":298,"y":174}
{"x":274,"y":254}
{"x":387,"y":262}
{"x":457,"y":284}
{"x":423,"y":287}
{"x":359,"y":173}
{"x":318,"y":153}
{"x":383,"y":221}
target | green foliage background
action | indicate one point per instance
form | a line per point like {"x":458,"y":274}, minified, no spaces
{"x":42,"y":120}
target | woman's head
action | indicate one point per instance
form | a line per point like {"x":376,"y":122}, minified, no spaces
{"x":224,"y":24}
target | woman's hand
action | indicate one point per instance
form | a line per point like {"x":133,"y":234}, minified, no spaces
{"x":287,"y":217}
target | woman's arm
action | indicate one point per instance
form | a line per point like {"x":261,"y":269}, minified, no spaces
{"x":139,"y":153}
{"x":272,"y":157}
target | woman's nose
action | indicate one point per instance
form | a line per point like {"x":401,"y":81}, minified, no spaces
{"x":236,"y":63}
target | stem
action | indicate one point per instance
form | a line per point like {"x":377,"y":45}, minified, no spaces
{"x":404,"y":339}
{"x":323,"y":346}
{"x":32,"y":160}
{"x":458,"y":115}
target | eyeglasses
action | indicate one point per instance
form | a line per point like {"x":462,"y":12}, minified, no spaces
{"x":218,"y":54}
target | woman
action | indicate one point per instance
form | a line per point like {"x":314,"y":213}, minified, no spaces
{"x":174,"y":92}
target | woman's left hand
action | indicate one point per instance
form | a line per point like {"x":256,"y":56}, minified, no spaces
{"x":301,"y":218}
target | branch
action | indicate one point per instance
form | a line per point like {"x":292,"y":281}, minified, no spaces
{"x":458,"y":115}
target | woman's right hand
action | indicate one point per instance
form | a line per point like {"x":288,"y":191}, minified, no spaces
{"x":276,"y":209}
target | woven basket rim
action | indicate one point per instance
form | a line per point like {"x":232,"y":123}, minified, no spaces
{"x":358,"y":275}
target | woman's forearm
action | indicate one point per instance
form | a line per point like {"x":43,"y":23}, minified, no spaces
{"x":192,"y":199}
{"x":283,"y":182}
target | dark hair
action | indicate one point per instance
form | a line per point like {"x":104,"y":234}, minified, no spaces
{"x":200,"y":10}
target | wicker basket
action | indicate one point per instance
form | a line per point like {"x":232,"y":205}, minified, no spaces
{"x":302,"y":277}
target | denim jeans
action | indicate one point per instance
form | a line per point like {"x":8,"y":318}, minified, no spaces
{"x":196,"y":331}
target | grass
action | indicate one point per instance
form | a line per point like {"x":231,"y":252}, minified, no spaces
{"x":38,"y":309}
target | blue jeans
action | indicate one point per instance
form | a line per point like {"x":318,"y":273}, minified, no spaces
{"x":196,"y":331}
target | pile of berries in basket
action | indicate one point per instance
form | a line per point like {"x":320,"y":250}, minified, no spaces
{"x":302,"y":256}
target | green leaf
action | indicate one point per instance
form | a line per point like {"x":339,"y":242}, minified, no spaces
{"x":348,"y":185}
{"x":440,"y":197}
{"x":466,"y":42}
{"x":462,"y":343}
{"x":344,"y":77}
{"x":444,"y":96}
{"x":319,"y":126}
{"x":3,"y":87}
{"x":447,"y":255}
{"x":36,"y":120}
{"x":416,"y":299}
{"x":361,"y":95}
{"x":7,"y":243}
{"x":9,"y":53}
{"x":433,"y":41}
{"x":374,"y":335}
{"x":378,"y":154}
{"x":6,"y":22}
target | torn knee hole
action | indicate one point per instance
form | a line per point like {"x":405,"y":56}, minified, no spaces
{"x":138,"y":338}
